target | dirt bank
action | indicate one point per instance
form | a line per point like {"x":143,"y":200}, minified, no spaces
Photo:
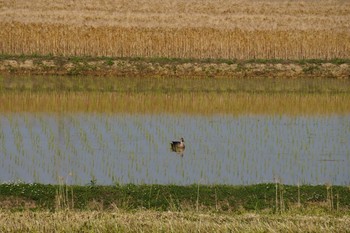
{"x":174,"y":67}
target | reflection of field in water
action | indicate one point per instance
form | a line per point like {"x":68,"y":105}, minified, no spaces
{"x":134,"y":148}
{"x":197,"y":103}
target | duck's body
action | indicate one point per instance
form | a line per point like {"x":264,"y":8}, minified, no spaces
{"x":175,"y":145}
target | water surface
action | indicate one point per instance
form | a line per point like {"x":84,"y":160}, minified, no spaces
{"x":134,"y":148}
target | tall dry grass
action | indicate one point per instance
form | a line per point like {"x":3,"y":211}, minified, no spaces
{"x":182,"y":29}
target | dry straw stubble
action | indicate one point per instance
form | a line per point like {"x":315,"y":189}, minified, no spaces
{"x":153,"y":221}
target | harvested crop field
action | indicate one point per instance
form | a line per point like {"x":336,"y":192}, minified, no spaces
{"x":182,"y":29}
{"x":153,"y":221}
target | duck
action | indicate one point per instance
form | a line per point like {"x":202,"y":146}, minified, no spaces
{"x":176,"y":145}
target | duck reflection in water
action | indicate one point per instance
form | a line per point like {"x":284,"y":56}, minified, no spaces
{"x":178,"y":146}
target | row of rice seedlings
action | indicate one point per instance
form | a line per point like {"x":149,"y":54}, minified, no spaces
{"x":19,"y":38}
{"x":2,"y":141}
{"x":189,"y":103}
{"x":98,"y":132}
{"x":43,"y":145}
{"x":68,"y":156}
{"x":16,"y":134}
{"x":64,"y":136}
{"x":104,"y":144}
{"x":22,"y":147}
{"x":70,"y":161}
{"x":101,"y":148}
{"x":15,"y":144}
{"x":87,"y":152}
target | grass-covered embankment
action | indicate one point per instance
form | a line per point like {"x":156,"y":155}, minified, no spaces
{"x":170,"y":208}
{"x":174,"y":67}
{"x":271,"y":198}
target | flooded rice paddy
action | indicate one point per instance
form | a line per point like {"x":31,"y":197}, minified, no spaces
{"x":134,"y":148}
{"x":230,"y":138}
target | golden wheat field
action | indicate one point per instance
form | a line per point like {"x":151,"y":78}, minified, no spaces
{"x":237,"y":29}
